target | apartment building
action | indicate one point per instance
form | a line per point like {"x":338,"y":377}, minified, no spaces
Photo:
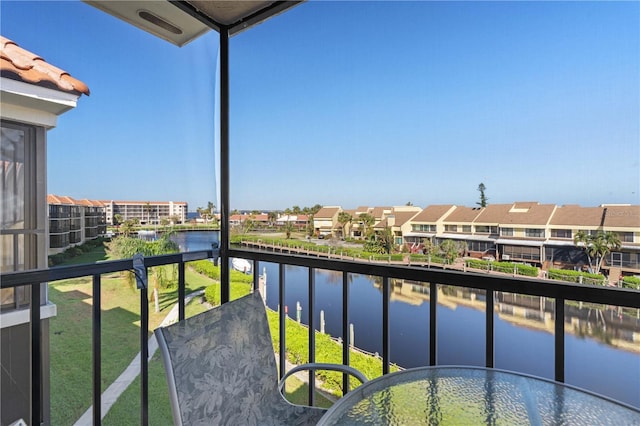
{"x":145,"y":212}
{"x":325,"y":221}
{"x":398,"y":221}
{"x":33,"y":95}
{"x":427,"y":224}
{"x":527,"y":232}
{"x":72,"y":222}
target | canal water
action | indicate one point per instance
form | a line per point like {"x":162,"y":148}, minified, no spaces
{"x":600,"y":353}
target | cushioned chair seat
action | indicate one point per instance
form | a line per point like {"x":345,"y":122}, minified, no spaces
{"x":221,"y":369}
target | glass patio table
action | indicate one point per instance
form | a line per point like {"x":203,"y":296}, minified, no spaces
{"x":471,"y":396}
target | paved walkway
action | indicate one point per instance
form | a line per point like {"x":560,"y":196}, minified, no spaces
{"x":113,"y":392}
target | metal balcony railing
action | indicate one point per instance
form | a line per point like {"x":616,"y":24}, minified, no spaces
{"x":434,"y":277}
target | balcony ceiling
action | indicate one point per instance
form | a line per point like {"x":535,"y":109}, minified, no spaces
{"x":180,"y":22}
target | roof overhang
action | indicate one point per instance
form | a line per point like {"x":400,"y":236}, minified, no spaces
{"x":33,"y":104}
{"x":180,"y":22}
{"x":520,"y":243}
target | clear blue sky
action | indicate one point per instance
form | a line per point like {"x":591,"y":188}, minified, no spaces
{"x":353,"y":103}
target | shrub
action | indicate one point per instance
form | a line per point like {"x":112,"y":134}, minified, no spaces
{"x":205,"y":267}
{"x":504,"y":267}
{"x":631,"y":282}
{"x":477,"y":263}
{"x":574,"y":276}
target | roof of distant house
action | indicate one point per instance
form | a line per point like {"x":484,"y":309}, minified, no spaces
{"x":574,"y":215}
{"x":66,"y":200}
{"x":528,"y":214}
{"x":399,"y":219}
{"x":379,"y":212}
{"x":326,"y":212}
{"x":622,"y":216}
{"x":151,"y":203}
{"x":19,"y":64}
{"x":463,"y":214}
{"x":432,"y":213}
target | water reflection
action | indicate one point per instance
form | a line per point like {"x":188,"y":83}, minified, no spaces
{"x":611,"y":325}
{"x":602,"y":353}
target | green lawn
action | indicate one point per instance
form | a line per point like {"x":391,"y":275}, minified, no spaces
{"x":71,"y":340}
{"x":71,"y":334}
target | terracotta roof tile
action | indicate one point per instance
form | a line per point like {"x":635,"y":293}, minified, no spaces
{"x":63,"y":199}
{"x":19,"y":64}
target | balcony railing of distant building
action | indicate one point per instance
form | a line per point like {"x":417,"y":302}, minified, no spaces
{"x":433,"y":278}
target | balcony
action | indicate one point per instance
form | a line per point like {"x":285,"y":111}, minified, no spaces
{"x":429,"y":281}
{"x":488,"y":291}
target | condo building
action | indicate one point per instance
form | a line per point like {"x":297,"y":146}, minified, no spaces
{"x":72,"y":222}
{"x":527,"y":232}
{"x":146,"y":212}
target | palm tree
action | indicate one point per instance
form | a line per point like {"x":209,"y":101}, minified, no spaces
{"x":343,"y":219}
{"x":125,"y":247}
{"x":147,"y":208}
{"x":450,"y":250}
{"x":387,"y":240}
{"x":597,"y":247}
{"x":288,"y":228}
{"x":127,"y":228}
{"x":310,"y":228}
{"x":428,"y":247}
{"x":366,"y":221}
{"x":272,"y":216}
{"x":163,"y":276}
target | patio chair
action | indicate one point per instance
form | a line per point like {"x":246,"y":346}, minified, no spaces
{"x":221,"y":369}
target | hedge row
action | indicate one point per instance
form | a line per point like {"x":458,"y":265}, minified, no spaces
{"x":505,"y":267}
{"x":574,"y":276}
{"x":425,"y":258}
{"x":71,"y":252}
{"x":345,"y":251}
{"x":631,"y":282}
{"x":205,"y":267}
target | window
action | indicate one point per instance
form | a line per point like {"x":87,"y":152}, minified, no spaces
{"x":466,"y":228}
{"x":482,"y":229}
{"x":626,"y":237}
{"x":521,"y":253}
{"x":534,"y":233}
{"x":561,"y":233}
{"x":480,"y":246}
{"x":423,"y":228}
{"x":506,"y":232}
{"x":23,"y":218}
{"x":451,"y":228}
